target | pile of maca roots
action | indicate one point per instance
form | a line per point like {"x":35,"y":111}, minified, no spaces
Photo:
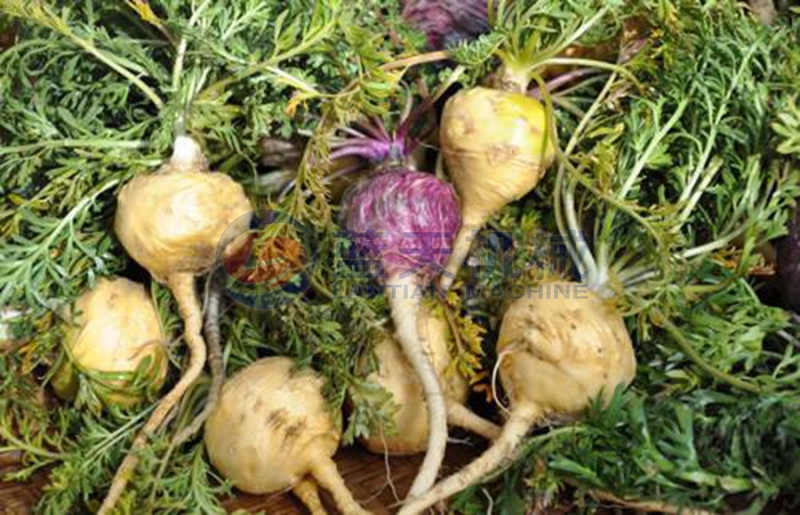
{"x":268,"y":429}
{"x":561,"y":346}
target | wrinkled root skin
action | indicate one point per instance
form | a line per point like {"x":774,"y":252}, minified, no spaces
{"x":563,"y":350}
{"x":272,"y":431}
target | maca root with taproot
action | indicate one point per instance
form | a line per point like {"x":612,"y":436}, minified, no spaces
{"x":391,"y":212}
{"x":497,"y":146}
{"x":172,"y":222}
{"x":557,"y":355}
{"x":272,"y":431}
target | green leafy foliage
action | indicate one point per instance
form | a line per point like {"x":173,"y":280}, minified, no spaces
{"x":676,"y":169}
{"x":692,"y":450}
{"x":788,"y":127}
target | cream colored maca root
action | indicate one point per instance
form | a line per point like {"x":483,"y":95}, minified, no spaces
{"x":113,"y":328}
{"x":272,"y":431}
{"x":557,"y":353}
{"x":172,"y":222}
{"x":397,"y":377}
{"x":497,"y":146}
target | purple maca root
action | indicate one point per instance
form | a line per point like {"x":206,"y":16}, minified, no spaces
{"x":447,"y":22}
{"x":408,"y":218}
{"x":406,"y":221}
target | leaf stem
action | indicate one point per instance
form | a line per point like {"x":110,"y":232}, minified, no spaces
{"x":563,"y":207}
{"x":19,"y":445}
{"x":641,"y":163}
{"x":46,"y":17}
{"x":589,"y":63}
{"x":76,"y":143}
{"x":709,"y":147}
{"x":691,"y":353}
{"x":426,"y":58}
{"x":317,"y":35}
{"x":177,"y":70}
{"x":109,"y":61}
{"x":319,"y":287}
{"x":576,"y":34}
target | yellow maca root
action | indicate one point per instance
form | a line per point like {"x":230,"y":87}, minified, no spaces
{"x":558,"y":351}
{"x":173,"y":222}
{"x":272,"y":431}
{"x":497,"y":146}
{"x":398,"y":378}
{"x":115,"y":329}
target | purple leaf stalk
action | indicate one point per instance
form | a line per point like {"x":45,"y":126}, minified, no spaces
{"x":371,"y":141}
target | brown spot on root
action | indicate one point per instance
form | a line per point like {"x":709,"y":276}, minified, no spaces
{"x":293,"y":432}
{"x":533,"y":350}
{"x":277,"y":419}
{"x":537,"y":326}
